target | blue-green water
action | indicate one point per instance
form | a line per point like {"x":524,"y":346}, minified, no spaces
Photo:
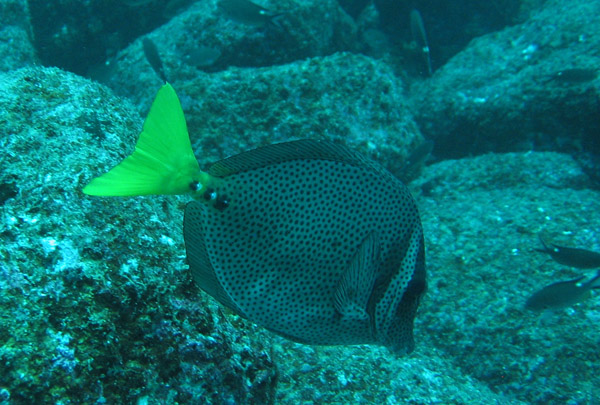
{"x":98,"y":305}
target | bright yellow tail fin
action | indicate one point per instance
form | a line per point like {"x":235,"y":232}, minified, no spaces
{"x":163,"y":161}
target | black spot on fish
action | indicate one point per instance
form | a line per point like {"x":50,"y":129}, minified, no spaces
{"x":221,"y":203}
{"x":322,"y":245}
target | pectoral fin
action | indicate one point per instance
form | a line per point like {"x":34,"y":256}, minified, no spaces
{"x":354,"y":288}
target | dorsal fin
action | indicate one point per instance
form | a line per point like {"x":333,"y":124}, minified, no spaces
{"x":288,"y":151}
{"x":197,"y":256}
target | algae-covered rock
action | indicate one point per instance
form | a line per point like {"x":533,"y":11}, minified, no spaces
{"x":533,"y":86}
{"x":343,"y":97}
{"x":482,"y":218}
{"x":96,"y":304}
{"x":347,"y":98}
{"x":206,"y":38}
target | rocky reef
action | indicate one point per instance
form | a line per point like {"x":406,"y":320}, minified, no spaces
{"x":96,"y":302}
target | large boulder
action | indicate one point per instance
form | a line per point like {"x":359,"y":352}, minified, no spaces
{"x":15,"y":36}
{"x":96,"y":304}
{"x":482,"y":219}
{"x":207,"y":38}
{"x":528,"y":87}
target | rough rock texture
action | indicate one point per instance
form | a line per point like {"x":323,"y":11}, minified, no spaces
{"x":343,"y":97}
{"x":482,"y":218}
{"x":95,"y":301}
{"x":370,"y":375}
{"x":504,"y":91}
{"x":76,"y":35}
{"x":292,"y":36}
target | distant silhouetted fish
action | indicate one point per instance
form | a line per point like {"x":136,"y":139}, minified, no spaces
{"x":153,"y":58}
{"x":246,"y":12}
{"x":201,"y":56}
{"x":562,"y":294}
{"x":573,"y":257}
{"x":417,"y":28}
{"x":415,"y":161}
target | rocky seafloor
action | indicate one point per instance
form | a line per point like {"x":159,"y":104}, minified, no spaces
{"x":96,"y":303}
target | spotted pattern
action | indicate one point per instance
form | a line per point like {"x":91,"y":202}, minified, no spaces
{"x":291,"y":227}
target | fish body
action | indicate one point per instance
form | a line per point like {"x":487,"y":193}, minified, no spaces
{"x":562,"y":294}
{"x":415,"y":161}
{"x":246,"y":12}
{"x":337,"y":237}
{"x":202,"y":56}
{"x":417,"y":28}
{"x":306,"y":238}
{"x":573,"y":257}
{"x":153,"y":58}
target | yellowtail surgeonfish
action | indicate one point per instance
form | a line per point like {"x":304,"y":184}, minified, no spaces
{"x":306,"y":238}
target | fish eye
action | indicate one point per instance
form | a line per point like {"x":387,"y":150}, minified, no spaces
{"x":210,"y":194}
{"x":195,"y":185}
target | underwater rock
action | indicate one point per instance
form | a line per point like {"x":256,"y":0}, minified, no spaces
{"x":78,"y":35}
{"x":481,"y":218}
{"x":347,"y":98}
{"x":97,"y":302}
{"x":292,"y":35}
{"x":15,"y":36}
{"x":505,"y":91}
{"x":343,"y":97}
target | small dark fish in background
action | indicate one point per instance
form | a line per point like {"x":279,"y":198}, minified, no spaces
{"x":562,"y":294}
{"x":574,"y":76}
{"x":573,"y":257}
{"x":377,"y":42}
{"x":417,"y":29}
{"x":415,"y":162}
{"x":202,"y":56}
{"x":246,"y":12}
{"x":153,"y":58}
